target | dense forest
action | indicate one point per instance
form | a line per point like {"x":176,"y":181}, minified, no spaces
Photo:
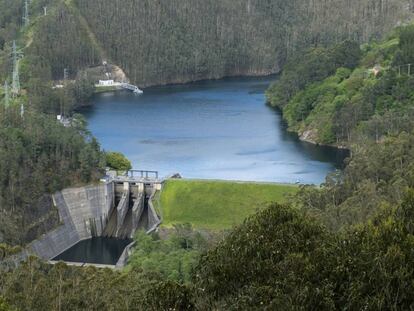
{"x":279,"y":259}
{"x":346,"y":245}
{"x":38,"y":155}
{"x":151,"y":40}
{"x":365,"y":105}
{"x":329,"y":101}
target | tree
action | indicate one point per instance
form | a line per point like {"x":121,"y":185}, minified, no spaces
{"x":4,"y":306}
{"x":267,"y":263}
{"x":117,"y":161}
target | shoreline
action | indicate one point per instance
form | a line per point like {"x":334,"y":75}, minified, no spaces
{"x":329,"y":154}
{"x":309,"y":141}
{"x":99,"y":90}
{"x":302,"y":137}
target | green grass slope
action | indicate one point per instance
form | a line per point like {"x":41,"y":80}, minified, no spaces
{"x":217,"y":205}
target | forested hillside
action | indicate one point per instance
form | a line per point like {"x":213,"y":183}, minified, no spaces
{"x":278,"y":259}
{"x":365,"y":104}
{"x":38,"y":154}
{"x":368,"y":96}
{"x":152,"y":41}
{"x":38,"y":157}
{"x":159,"y":42}
{"x":61,"y":42}
{"x":10,"y":21}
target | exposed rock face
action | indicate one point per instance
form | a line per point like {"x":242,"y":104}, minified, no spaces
{"x":109,"y":71}
{"x":309,"y":136}
{"x":176,"y":41}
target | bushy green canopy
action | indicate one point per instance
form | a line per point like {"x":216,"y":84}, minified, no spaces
{"x":117,"y":161}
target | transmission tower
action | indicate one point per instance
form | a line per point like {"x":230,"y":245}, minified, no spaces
{"x":22,"y":111}
{"x":26,"y":18}
{"x":16,"y":80}
{"x":6,"y":94}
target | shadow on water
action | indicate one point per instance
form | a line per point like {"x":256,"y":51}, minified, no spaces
{"x":257,"y":83}
{"x":96,"y":251}
{"x":326,"y":154}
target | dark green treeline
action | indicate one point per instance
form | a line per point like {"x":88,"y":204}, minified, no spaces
{"x":176,"y":41}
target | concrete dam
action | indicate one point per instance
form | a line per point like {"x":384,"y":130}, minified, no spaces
{"x":116,"y":208}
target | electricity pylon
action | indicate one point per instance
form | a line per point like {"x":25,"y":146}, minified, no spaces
{"x":16,"y":79}
{"x":22,"y":111}
{"x":6,"y":94}
{"x":26,"y":17}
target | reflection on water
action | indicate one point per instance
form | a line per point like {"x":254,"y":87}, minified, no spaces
{"x":212,"y":129}
{"x":96,"y":250}
{"x":319,"y":153}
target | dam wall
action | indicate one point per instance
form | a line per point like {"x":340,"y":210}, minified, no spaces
{"x":113,"y":209}
{"x":83,"y":213}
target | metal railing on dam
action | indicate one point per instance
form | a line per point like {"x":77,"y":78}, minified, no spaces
{"x":134,"y":176}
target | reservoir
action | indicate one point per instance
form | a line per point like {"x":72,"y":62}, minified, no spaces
{"x":210,"y":130}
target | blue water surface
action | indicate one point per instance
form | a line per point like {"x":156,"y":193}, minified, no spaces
{"x":212,"y":129}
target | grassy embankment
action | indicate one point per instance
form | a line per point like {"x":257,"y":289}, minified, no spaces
{"x":217,"y":205}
